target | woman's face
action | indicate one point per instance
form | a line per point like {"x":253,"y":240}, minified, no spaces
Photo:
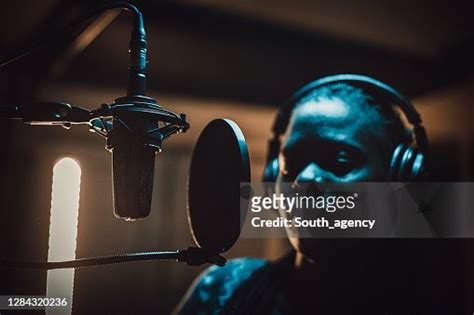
{"x":328,"y":140}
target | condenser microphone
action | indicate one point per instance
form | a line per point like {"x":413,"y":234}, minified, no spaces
{"x":139,"y":127}
{"x":133,"y":158}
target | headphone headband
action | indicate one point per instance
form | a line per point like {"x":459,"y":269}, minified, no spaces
{"x":408,"y":109}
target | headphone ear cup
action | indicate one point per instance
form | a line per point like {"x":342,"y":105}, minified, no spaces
{"x":407,"y":164}
{"x":412,"y":165}
{"x":418,"y":166}
{"x":271,"y":171}
{"x":395,"y":162}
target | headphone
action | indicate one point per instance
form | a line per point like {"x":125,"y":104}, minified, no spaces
{"x":407,"y":162}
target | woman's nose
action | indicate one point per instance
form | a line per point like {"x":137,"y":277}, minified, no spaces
{"x":313,"y":173}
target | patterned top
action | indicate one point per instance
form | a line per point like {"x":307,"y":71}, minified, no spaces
{"x":225,"y":290}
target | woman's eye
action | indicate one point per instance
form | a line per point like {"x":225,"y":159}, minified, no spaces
{"x":344,"y":163}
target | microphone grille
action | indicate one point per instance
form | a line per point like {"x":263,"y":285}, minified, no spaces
{"x":133,"y":169}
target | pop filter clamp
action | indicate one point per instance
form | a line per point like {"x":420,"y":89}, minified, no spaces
{"x":134,"y":106}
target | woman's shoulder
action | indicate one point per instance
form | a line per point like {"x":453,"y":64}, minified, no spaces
{"x":212,"y":289}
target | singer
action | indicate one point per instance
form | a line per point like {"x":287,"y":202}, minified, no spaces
{"x":337,"y":129}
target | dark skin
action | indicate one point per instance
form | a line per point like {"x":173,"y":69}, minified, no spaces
{"x":329,"y":141}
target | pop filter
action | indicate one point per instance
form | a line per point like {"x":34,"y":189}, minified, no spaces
{"x":220,"y":162}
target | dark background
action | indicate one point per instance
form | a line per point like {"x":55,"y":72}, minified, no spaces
{"x":208,"y":58}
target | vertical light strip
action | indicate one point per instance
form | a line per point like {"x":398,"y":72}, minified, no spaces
{"x":63,"y":230}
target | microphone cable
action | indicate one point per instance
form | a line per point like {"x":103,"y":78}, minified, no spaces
{"x":137,"y":33}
